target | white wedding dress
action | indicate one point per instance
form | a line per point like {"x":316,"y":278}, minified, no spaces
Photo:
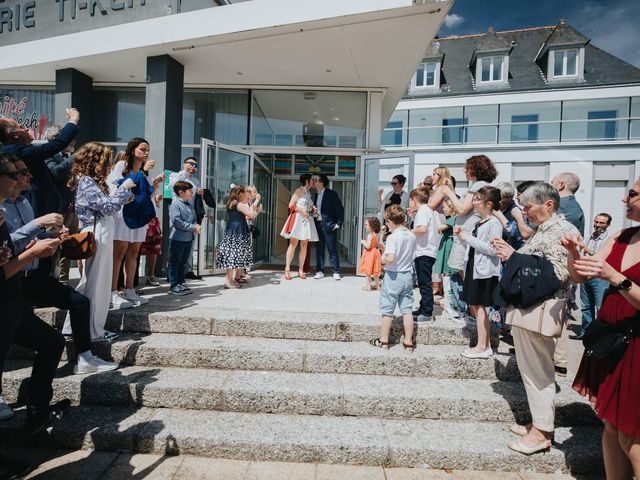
{"x":303,"y":228}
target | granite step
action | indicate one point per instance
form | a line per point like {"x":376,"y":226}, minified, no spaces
{"x":302,"y":393}
{"x":273,"y":324}
{"x":441,"y":444}
{"x":249,"y":353}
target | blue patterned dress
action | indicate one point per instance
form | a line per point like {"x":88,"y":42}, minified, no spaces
{"x":235,"y":250}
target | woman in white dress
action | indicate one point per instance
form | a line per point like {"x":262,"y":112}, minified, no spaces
{"x":300,"y":227}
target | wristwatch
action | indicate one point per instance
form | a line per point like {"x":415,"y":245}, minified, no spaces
{"x":625,"y":285}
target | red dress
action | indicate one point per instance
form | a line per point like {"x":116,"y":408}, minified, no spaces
{"x":615,"y":386}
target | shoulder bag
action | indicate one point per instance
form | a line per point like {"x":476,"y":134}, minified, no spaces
{"x":80,"y":246}
{"x":602,"y":340}
{"x":546,"y":318}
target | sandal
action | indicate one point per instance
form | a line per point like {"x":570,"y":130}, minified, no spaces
{"x":287,"y":275}
{"x":408,"y":347}
{"x":242,"y":280}
{"x":301,"y":275}
{"x":376,"y":342}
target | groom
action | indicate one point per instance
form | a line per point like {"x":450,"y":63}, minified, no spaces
{"x":331,"y":218}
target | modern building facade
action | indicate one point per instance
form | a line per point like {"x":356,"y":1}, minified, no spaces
{"x":260,"y":91}
{"x":537,"y":101}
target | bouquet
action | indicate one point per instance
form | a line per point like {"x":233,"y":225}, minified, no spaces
{"x":311,"y":209}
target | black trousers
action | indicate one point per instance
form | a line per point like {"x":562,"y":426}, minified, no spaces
{"x":35,"y":334}
{"x":42,"y":290}
{"x":424,"y":271}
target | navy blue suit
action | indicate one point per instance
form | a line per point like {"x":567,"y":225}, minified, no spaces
{"x":45,"y":198}
{"x":331,"y":214}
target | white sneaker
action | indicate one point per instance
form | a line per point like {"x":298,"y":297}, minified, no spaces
{"x":118,"y":302}
{"x":94,"y":364}
{"x":336,"y":276}
{"x":318,"y":275}
{"x":153,"y":281}
{"x":469,"y":353}
{"x":184,"y":288}
{"x":131,"y":295}
{"x":178,"y":291}
{"x":5,"y":410}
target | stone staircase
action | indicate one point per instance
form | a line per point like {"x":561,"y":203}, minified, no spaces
{"x":286,"y":386}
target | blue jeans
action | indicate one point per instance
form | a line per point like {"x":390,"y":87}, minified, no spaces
{"x":424,"y":272}
{"x":456,"y":289}
{"x":180,"y":251}
{"x":591,"y":295}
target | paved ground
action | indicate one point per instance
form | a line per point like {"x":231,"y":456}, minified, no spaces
{"x":266,"y":291}
{"x":91,"y":465}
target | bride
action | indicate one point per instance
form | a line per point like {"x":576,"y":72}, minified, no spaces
{"x":300,"y":226}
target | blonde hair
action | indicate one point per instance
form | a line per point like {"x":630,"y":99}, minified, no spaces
{"x":443,"y":173}
{"x":92,"y":160}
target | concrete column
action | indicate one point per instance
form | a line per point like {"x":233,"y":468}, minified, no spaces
{"x":163,"y":125}
{"x":75,"y":89}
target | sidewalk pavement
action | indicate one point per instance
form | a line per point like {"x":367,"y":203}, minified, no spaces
{"x":92,"y":465}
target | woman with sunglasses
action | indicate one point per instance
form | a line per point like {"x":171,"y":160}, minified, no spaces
{"x":397,"y":196}
{"x":613,"y":382}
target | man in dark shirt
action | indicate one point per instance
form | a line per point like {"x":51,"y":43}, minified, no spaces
{"x":20,"y":325}
{"x":17,"y":140}
{"x":568,"y":184}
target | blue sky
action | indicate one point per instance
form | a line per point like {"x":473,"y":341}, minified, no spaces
{"x":612,"y":25}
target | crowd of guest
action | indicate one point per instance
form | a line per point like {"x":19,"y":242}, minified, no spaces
{"x":515,"y":257}
{"x":53,"y":196}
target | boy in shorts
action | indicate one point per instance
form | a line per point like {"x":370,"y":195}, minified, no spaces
{"x":397,"y":286}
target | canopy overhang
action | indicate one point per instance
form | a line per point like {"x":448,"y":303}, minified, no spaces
{"x":355,"y":44}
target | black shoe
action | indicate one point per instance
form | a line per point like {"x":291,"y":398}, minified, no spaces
{"x":10,"y":470}
{"x":578,"y":336}
{"x":37,"y":421}
{"x":415,"y":313}
{"x":192,"y":276}
{"x":561,"y":371}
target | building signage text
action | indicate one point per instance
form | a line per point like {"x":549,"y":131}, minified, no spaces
{"x":24,"y":14}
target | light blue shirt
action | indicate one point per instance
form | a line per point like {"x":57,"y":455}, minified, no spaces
{"x":20,"y":221}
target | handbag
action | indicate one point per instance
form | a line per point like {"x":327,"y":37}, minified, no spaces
{"x":546,"y":318}
{"x":80,"y":246}
{"x":602,"y":340}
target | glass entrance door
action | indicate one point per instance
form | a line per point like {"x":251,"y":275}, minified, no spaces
{"x":222,"y":167}
{"x":375,"y":183}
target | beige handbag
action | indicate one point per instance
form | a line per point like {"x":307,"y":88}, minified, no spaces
{"x":546,"y":318}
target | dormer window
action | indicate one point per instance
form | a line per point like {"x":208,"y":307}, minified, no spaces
{"x":427,"y":75}
{"x":491,"y":69}
{"x":565,"y":62}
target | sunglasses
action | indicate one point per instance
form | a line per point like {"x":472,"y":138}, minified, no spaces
{"x":11,"y":175}
{"x":395,"y":183}
{"x":192,"y":164}
{"x":632,"y":194}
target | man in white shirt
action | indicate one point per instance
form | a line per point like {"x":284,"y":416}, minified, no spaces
{"x":425,"y":230}
{"x":592,"y":291}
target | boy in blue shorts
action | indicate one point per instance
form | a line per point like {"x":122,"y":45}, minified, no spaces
{"x":397,"y":286}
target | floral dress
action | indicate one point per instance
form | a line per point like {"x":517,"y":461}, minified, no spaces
{"x":235,"y":250}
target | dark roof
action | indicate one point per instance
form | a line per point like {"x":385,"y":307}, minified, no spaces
{"x":491,"y":42}
{"x":601,"y":68}
{"x":562,"y":34}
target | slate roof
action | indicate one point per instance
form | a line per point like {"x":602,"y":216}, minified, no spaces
{"x":601,"y":68}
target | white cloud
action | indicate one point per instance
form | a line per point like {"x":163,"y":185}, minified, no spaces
{"x":611,"y":27}
{"x":453,"y":20}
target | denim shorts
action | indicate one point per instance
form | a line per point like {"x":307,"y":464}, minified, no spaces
{"x":397,"y":289}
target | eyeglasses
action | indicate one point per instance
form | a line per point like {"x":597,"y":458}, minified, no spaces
{"x":632,"y":194}
{"x":24,"y":172}
{"x":11,"y":175}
